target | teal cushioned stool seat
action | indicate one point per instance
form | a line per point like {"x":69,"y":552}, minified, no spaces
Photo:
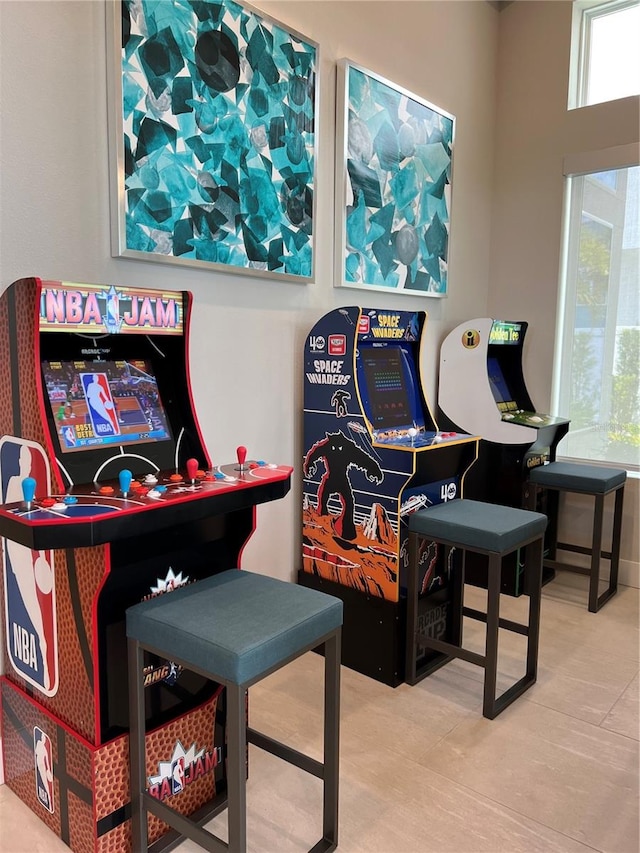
{"x":478,"y":525}
{"x":495,"y":531}
{"x":235,"y":628}
{"x":546,"y":483}
{"x":577,"y":477}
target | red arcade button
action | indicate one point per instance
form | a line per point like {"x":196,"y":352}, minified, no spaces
{"x":106,"y":490}
{"x":47,"y":502}
{"x":176,"y":478}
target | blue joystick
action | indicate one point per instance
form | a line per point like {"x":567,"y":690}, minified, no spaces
{"x":125,"y":476}
{"x":28,"y":490}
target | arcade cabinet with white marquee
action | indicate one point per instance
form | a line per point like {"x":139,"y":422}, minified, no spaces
{"x":108,"y":496}
{"x":482,"y":389}
{"x":373,"y":454}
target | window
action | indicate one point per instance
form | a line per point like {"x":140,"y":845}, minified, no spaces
{"x":605,"y":59}
{"x":597,"y":382}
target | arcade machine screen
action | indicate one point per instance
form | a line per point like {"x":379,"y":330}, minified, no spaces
{"x":504,"y":369}
{"x":389,"y":390}
{"x":96,"y":404}
{"x":499,"y":387}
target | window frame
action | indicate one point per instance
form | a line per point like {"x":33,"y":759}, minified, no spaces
{"x":574,"y":166}
{"x":584,"y":12}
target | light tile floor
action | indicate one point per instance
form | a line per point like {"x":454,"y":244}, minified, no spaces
{"x":423,"y":772}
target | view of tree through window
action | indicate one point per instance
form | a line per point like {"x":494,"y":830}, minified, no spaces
{"x":599,"y":382}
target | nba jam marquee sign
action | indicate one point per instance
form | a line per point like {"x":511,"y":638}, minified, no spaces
{"x":100,"y":309}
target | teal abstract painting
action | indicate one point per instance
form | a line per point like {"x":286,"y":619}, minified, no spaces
{"x":393,"y":186}
{"x":214,"y":128}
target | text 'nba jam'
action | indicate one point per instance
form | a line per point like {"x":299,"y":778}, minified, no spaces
{"x":184,"y":773}
{"x":112,"y":309}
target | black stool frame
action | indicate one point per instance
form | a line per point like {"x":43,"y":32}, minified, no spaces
{"x":238,"y":735}
{"x":595,"y":551}
{"x":492,"y":705}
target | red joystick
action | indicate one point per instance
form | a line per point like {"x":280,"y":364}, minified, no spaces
{"x":192,"y":469}
{"x":242,"y":455}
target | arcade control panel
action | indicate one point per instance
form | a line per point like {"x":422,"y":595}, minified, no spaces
{"x":102,"y":512}
{"x":535,"y":419}
{"x":414,"y":439}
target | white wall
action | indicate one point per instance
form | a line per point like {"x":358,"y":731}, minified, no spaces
{"x":534,"y":133}
{"x":248,"y":333}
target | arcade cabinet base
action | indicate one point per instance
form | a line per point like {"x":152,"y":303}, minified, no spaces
{"x":87,"y":802}
{"x":373,"y":631}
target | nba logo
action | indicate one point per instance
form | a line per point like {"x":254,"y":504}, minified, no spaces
{"x":102,"y":410}
{"x":29,"y":577}
{"x":112,"y":319}
{"x":69,"y":436}
{"x":177,"y":776}
{"x":43,"y":760}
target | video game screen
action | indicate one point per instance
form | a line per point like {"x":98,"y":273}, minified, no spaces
{"x":386,"y":380}
{"x":101,"y":403}
{"x":499,"y":388}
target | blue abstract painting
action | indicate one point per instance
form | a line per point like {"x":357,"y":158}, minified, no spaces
{"x":393,"y":187}
{"x":217,"y":137}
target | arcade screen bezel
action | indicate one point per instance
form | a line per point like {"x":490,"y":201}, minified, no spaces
{"x":509,"y":353}
{"x":166,"y":356}
{"x":411,"y":390}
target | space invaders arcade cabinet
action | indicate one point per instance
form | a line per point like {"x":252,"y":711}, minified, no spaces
{"x":482,"y":389}
{"x":108,"y":496}
{"x":373,"y":454}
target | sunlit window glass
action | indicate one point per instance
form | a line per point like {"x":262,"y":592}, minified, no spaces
{"x":614,"y":55}
{"x":599,"y":369}
{"x":605,"y":52}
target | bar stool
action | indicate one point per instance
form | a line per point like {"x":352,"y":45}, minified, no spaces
{"x":557,"y":477}
{"x":235,"y":628}
{"x":495,"y":531}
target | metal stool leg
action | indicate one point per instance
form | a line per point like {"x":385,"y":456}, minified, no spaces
{"x":331,"y":740}
{"x":137,"y":751}
{"x":491,"y":648}
{"x":615,"y":540}
{"x":237,"y":768}
{"x":596,"y":554}
{"x":533,"y":588}
{"x":412,"y":609}
{"x":459,"y":556}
